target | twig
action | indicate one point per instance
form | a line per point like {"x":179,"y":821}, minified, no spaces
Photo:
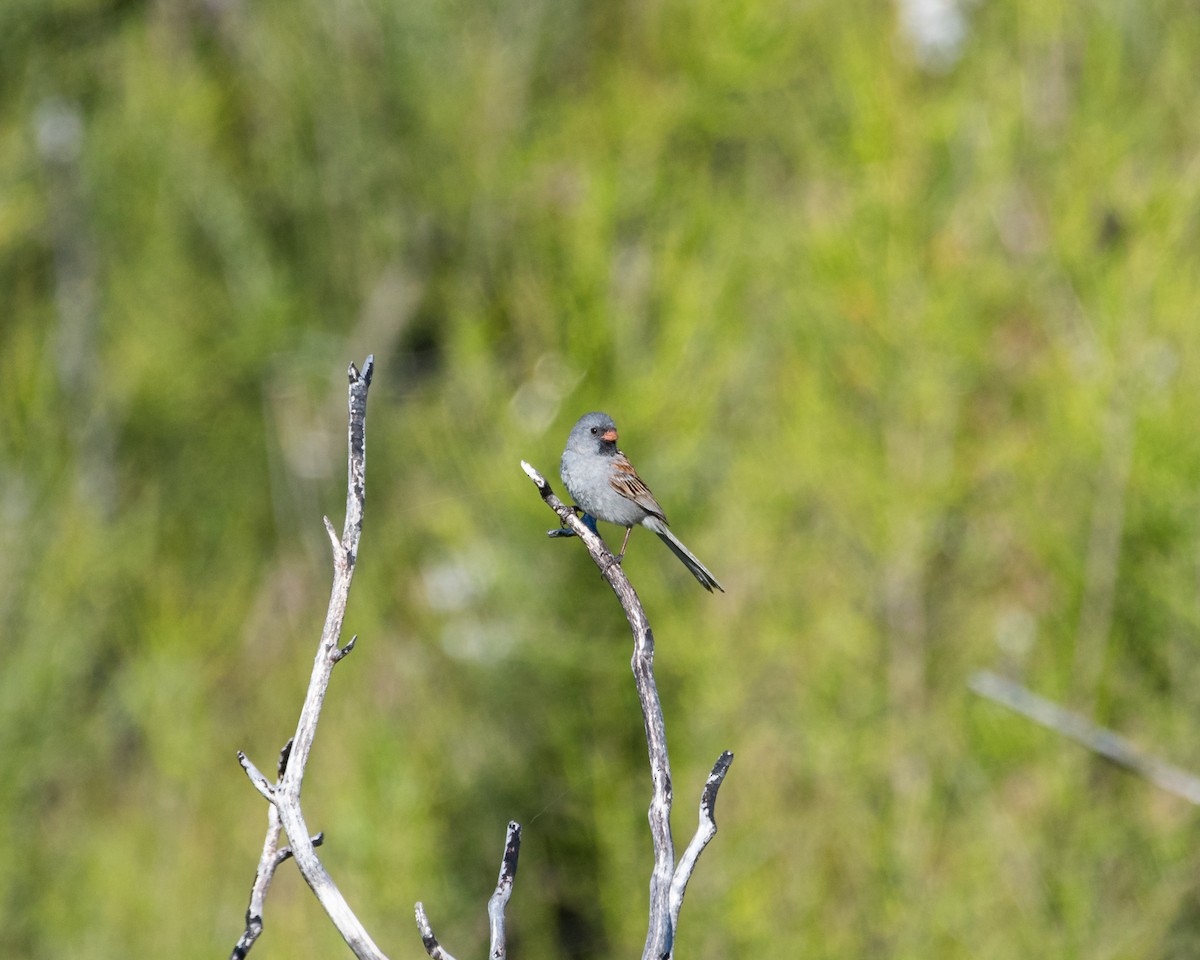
{"x":705,"y":831}
{"x":504,"y":885}
{"x":267,"y":863}
{"x":284,"y":794}
{"x":1099,"y":740}
{"x":432,"y":947}
{"x":667,"y":882}
{"x":272,"y":856}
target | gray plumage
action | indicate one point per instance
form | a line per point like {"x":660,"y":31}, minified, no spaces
{"x":602,"y":481}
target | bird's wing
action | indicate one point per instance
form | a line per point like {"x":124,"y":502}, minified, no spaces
{"x":629,"y":485}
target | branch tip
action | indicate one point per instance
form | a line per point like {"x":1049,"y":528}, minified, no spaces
{"x":344,"y":651}
{"x":539,"y":481}
{"x":261,"y":783}
{"x":512,"y":850}
{"x":721,"y":767}
{"x":368,"y":370}
{"x":498,"y":950}
{"x":435,"y":950}
{"x":708,"y":798}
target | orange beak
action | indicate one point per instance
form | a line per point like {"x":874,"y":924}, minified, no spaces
{"x":609,"y":436}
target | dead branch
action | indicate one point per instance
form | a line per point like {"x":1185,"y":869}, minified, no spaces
{"x":1110,"y":745}
{"x":504,"y":884}
{"x":272,"y":856}
{"x":668,"y":881}
{"x":284,"y":794}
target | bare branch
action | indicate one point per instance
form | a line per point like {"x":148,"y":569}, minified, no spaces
{"x":261,"y":783}
{"x":346,"y":650}
{"x":272,"y":856}
{"x":665,"y":899}
{"x":504,"y":885}
{"x":285,"y":794}
{"x":267,"y":863}
{"x":432,"y":947}
{"x":706,"y":830}
{"x":1108,"y":744}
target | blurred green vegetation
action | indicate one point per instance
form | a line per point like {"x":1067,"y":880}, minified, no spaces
{"x":908,"y":350}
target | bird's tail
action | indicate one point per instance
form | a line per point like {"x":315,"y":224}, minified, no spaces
{"x":699,"y":570}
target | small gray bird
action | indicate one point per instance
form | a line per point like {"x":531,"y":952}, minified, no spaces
{"x":602,"y":482}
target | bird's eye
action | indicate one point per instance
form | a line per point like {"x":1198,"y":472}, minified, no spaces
{"x":595,"y":430}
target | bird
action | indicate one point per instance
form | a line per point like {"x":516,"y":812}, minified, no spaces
{"x":603,"y":483}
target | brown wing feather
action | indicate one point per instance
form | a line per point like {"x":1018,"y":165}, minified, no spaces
{"x":627,"y":483}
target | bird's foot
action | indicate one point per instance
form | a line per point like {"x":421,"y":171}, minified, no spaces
{"x":616,"y":562}
{"x":588,"y":521}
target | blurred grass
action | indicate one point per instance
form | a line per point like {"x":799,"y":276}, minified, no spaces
{"x":908,"y":353}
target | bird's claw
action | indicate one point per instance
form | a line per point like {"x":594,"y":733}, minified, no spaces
{"x":588,"y":521}
{"x":616,"y":562}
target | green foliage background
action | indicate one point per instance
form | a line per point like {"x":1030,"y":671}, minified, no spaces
{"x":909,"y":354}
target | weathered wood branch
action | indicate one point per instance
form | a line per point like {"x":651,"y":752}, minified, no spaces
{"x":705,"y":831}
{"x":284,"y":794}
{"x":272,"y":856}
{"x":668,"y":881}
{"x":504,"y":884}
